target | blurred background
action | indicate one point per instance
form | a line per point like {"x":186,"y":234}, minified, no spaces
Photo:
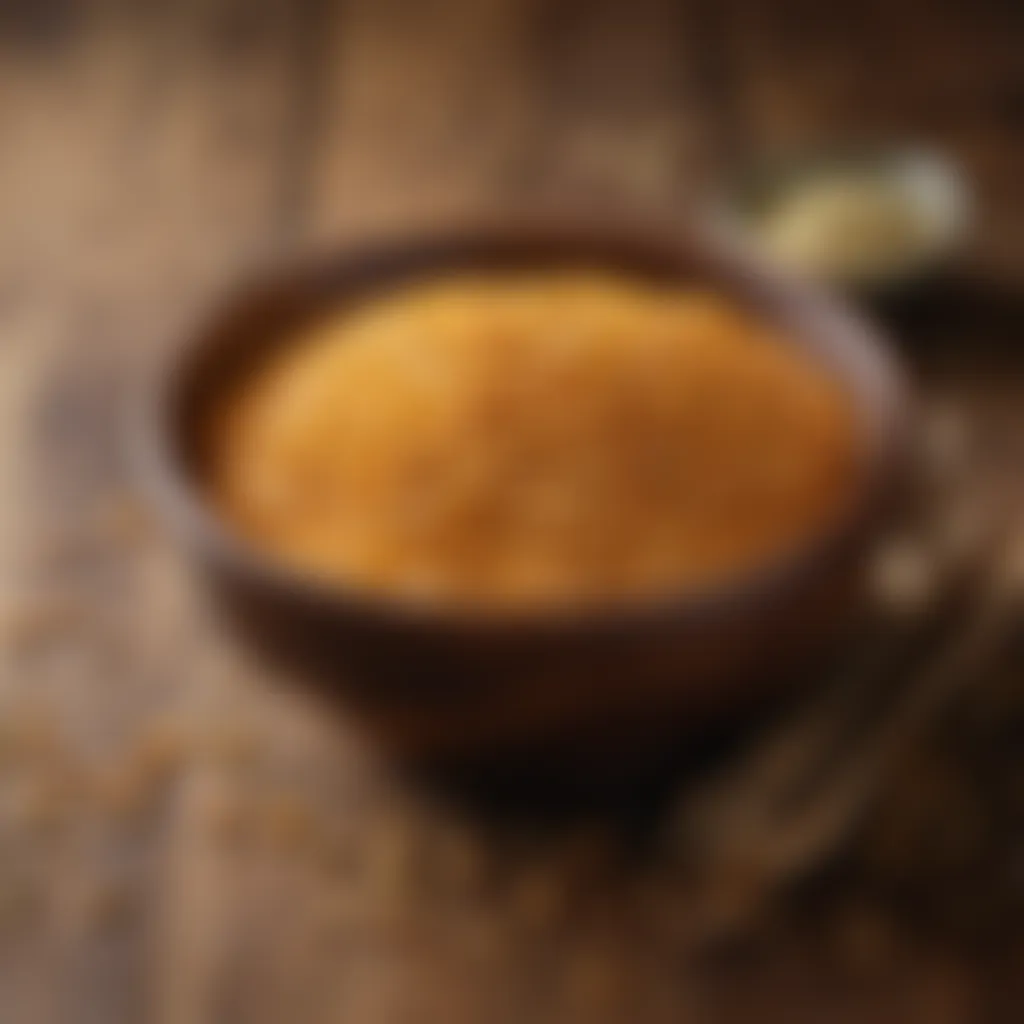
{"x":183,"y":841}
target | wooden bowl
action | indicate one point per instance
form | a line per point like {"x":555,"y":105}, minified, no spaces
{"x":446,"y":683}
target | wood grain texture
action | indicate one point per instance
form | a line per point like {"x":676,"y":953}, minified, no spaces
{"x":183,"y":839}
{"x":142,"y":166}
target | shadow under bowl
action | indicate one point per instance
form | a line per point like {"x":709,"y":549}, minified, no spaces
{"x":443,"y":685}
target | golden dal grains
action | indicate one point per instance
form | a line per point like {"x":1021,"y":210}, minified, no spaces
{"x":522,"y":440}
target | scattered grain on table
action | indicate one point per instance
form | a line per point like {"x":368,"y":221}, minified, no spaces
{"x":33,"y":622}
{"x":459,"y":859}
{"x":234,"y":743}
{"x":538,"y":898}
{"x":946,"y":441}
{"x":103,"y":903}
{"x":394,"y":864}
{"x":130,"y":786}
{"x":124,"y":518}
{"x":232,"y":822}
{"x":903,"y":575}
{"x":42,"y":807}
{"x":286,"y":822}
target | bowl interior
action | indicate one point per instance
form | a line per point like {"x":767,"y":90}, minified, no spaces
{"x":270,"y":312}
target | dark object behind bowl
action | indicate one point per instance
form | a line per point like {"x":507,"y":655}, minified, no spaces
{"x":443,"y":682}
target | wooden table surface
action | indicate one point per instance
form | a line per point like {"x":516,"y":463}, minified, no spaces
{"x":182,"y":841}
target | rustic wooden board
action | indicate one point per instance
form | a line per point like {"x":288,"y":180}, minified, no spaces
{"x":182,"y":839}
{"x":142,"y":163}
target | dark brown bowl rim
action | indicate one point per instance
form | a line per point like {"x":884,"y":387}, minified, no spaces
{"x":179,"y":499}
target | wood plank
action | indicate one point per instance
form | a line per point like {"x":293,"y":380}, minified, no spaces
{"x":428,"y":111}
{"x":451,"y":108}
{"x":629,"y":119}
{"x":43,"y":200}
{"x":228,"y":851}
{"x":141,"y":167}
